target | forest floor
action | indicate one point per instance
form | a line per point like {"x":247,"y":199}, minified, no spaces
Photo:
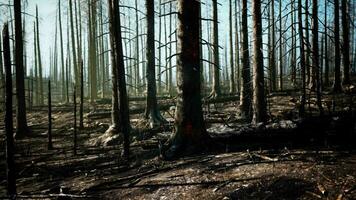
{"x":242,"y":166}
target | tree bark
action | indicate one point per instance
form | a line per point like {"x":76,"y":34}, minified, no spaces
{"x":337,"y":80}
{"x":216,"y":72}
{"x":246,"y":88}
{"x":9,"y":129}
{"x":232,"y":70}
{"x":49,"y":134}
{"x":346,"y":41}
{"x":316,"y":55}
{"x":115,"y":27}
{"x":189,"y":124}
{"x":39,"y":60}
{"x":326,"y":75}
{"x":259,"y":103}
{"x":2,"y":79}
{"x":302,"y":59}
{"x":22,"y":128}
{"x":152,"y":113}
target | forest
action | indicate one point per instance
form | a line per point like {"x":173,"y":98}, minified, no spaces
{"x":178,"y":99}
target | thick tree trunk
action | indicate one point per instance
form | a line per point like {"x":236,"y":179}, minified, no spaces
{"x":9,"y":129}
{"x":152,"y":113}
{"x":2,"y":80}
{"x":189,"y":124}
{"x":259,"y":102}
{"x":293,"y":50}
{"x":246,"y":88}
{"x":337,"y":79}
{"x":21,"y":121}
{"x":346,"y":41}
{"x":216,"y":72}
{"x":115,"y":27}
{"x":237,"y":47}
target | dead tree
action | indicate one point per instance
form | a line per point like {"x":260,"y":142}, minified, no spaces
{"x":2,"y":79}
{"x":81,"y":124}
{"x":39,"y":60}
{"x":118,"y":62}
{"x":216,"y":72}
{"x":337,"y":80}
{"x":346,"y":41}
{"x":232,"y":73}
{"x":326,"y":74}
{"x":75,"y":122}
{"x":246,"y":88}
{"x":74,"y":53}
{"x":259,"y":103}
{"x":21,"y":122}
{"x":280,"y":47}
{"x":189,"y":124}
{"x":272,"y":51}
{"x":50,"y":145}
{"x":62,"y":53}
{"x":302,"y":59}
{"x":316,"y":55}
{"x":152,"y":112}
{"x":9,"y":129}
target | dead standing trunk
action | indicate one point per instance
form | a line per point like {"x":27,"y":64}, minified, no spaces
{"x":9,"y":129}
{"x":346,"y":41}
{"x":232,"y":70}
{"x":302,"y":59}
{"x":152,"y":113}
{"x":22,"y":128}
{"x":189,"y":123}
{"x":116,"y":48}
{"x":50,"y":145}
{"x":337,"y":80}
{"x":246,"y":88}
{"x":259,"y":103}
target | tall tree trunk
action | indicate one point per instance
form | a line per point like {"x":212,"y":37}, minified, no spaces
{"x":302,"y":59}
{"x":137,"y":65}
{"x":115,"y":27}
{"x":81,"y":106}
{"x":216,"y":75}
{"x":152,"y":112}
{"x":337,"y":80}
{"x":92,"y":49}
{"x":326,"y":75}
{"x":272,"y":53}
{"x":246,"y":88}
{"x":74,"y":51}
{"x":280,"y":47}
{"x":2,"y":80}
{"x":39,"y":60}
{"x":49,"y":134}
{"x":232,"y":70}
{"x":62,"y":52}
{"x":189,"y":124}
{"x":9,"y":129}
{"x":293,"y":50}
{"x":307,"y":43}
{"x":259,"y":103}
{"x":21,"y":122}
{"x":316,"y":55}
{"x":346,"y":40}
{"x":237,"y":47}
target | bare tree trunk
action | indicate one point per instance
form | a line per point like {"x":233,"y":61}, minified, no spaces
{"x":74,"y":51}
{"x":115,"y":27}
{"x":246,"y":88}
{"x":50,"y":145}
{"x":307,"y":43}
{"x":326,"y":75}
{"x":337,"y":80}
{"x":272,"y":57}
{"x":280,"y":47}
{"x":81,"y":124}
{"x":346,"y":40}
{"x":293,"y":50}
{"x":316,"y":55}
{"x":302,"y":59}
{"x":2,"y":80}
{"x":237,"y":47}
{"x":152,"y":112}
{"x":137,"y":65}
{"x":189,"y":124}
{"x":39,"y":60}
{"x":22,"y":128}
{"x":62,"y":52}
{"x":259,"y":103}
{"x":216,"y":75}
{"x":232,"y":70}
{"x":75,"y":121}
{"x":9,"y":129}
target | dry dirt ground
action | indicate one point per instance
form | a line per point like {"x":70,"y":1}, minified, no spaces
{"x":258,"y":171}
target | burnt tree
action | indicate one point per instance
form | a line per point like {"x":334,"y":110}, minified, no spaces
{"x":189,"y":123}
{"x":152,"y":113}
{"x":337,"y":80}
{"x":21,"y":121}
{"x":9,"y":129}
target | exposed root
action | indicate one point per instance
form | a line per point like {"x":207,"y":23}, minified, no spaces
{"x":110,"y":137}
